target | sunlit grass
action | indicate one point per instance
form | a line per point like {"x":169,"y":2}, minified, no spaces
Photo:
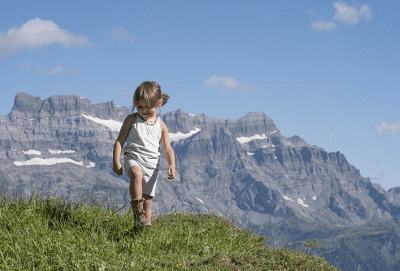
{"x":54,"y":234}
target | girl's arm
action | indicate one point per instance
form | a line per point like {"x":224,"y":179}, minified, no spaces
{"x":119,"y":143}
{"x":168,"y":151}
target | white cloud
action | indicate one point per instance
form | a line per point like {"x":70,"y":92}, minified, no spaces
{"x":37,"y":33}
{"x":72,"y":71}
{"x":247,"y":88}
{"x":351,"y":15}
{"x":323,"y":25}
{"x":387,"y":128}
{"x":122,"y":35}
{"x":366,"y":12}
{"x":223,"y":83}
{"x":57,"y":69}
{"x":24,"y":65}
{"x":344,"y":14}
{"x":379,"y":177}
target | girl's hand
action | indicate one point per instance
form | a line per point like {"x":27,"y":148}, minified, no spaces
{"x":117,"y":168}
{"x":171,"y":172}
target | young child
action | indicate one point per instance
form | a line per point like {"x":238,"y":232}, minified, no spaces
{"x":144,"y":132}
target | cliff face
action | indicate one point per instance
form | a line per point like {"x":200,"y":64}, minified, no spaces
{"x":59,"y":123}
{"x":245,"y":169}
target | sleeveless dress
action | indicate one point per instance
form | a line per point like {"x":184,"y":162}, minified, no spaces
{"x":143,"y":149}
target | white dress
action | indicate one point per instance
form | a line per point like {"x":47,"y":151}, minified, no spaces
{"x":143,"y":149}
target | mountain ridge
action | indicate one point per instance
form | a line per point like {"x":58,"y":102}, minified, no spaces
{"x":246,"y":169}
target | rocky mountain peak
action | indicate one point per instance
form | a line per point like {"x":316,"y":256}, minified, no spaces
{"x":297,"y":140}
{"x":255,"y":114}
{"x":26,"y":104}
{"x":63,"y":106}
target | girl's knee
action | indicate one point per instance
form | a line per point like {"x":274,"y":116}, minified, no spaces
{"x":135,"y":172}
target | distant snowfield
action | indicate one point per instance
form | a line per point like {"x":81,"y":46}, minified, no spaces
{"x":179,"y":136}
{"x":50,"y":162}
{"x":60,"y":152}
{"x":247,"y":139}
{"x":32,"y":152}
{"x":299,"y":201}
{"x":287,"y":198}
{"x":113,"y":125}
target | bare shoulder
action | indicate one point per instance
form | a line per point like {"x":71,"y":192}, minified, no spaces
{"x":125,"y":128}
{"x":164,"y":126}
{"x":130,"y":119}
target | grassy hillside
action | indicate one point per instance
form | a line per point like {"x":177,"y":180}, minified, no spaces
{"x":53,"y":234}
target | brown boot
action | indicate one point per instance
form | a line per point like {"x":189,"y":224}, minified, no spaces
{"x":138,"y":212}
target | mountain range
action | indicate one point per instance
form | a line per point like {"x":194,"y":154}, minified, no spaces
{"x":243,"y":169}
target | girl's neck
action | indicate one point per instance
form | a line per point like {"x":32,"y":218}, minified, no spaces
{"x":150,"y":120}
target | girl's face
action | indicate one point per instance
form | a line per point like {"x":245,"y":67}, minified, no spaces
{"x":146,"y":112}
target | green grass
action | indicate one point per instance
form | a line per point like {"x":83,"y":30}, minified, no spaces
{"x":53,"y":234}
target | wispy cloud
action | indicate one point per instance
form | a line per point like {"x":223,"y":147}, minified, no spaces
{"x":323,"y":25}
{"x":37,"y":33}
{"x":222,"y":82}
{"x":24,"y":65}
{"x":57,"y":69}
{"x":379,"y":177}
{"x":345,"y":14}
{"x":385,"y":128}
{"x":122,"y":35}
{"x":228,"y":83}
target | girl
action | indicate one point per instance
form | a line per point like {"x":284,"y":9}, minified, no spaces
{"x":143,"y":132}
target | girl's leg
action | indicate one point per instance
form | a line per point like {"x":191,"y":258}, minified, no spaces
{"x":135,"y":186}
{"x":147,"y":206}
{"x":135,"y":190}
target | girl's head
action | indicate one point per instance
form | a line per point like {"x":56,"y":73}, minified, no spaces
{"x":148,"y":96}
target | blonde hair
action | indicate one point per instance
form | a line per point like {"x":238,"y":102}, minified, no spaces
{"x":150,"y":93}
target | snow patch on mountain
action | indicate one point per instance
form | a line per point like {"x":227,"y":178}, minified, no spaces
{"x":50,"y":162}
{"x":287,"y":198}
{"x":113,"y":125}
{"x":60,"y":152}
{"x":301,"y":202}
{"x":32,"y":152}
{"x":247,"y":139}
{"x":179,"y":136}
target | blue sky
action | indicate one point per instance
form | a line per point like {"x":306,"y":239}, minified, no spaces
{"x":327,"y":71}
